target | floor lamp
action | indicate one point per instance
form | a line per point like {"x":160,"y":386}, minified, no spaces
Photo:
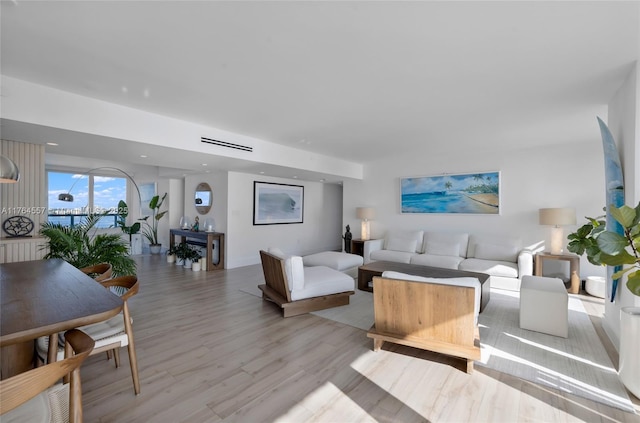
{"x":9,"y":172}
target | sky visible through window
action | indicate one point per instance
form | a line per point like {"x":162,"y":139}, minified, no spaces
{"x":107,"y":192}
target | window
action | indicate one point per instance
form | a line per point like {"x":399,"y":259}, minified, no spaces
{"x":92,"y":193}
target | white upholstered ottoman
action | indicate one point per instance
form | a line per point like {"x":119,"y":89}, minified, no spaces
{"x":544,"y":305}
{"x":344,"y":262}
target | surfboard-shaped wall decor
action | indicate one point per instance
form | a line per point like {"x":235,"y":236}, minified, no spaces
{"x":614,"y":185}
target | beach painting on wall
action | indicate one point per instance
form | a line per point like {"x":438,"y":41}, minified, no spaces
{"x":466,"y":193}
{"x":277,"y":203}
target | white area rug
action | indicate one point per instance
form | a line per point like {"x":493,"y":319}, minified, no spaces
{"x":578,"y":365}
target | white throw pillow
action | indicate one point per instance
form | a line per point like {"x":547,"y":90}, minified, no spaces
{"x":294,"y":269}
{"x":401,"y":244}
{"x":442,"y":249}
{"x":417,"y":235}
{"x":497,"y":252}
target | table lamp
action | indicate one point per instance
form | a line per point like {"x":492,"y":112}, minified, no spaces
{"x":365,"y":214}
{"x":557,"y":217}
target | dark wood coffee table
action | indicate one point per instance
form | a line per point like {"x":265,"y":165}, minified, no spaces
{"x":367,"y":272}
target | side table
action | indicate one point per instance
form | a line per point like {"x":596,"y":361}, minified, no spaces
{"x":357,"y":246}
{"x":574,"y":267}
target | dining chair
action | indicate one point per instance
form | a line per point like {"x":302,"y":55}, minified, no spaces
{"x":99,"y":272}
{"x":35,"y":396}
{"x":112,"y":334}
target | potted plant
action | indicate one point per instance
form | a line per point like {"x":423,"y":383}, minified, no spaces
{"x":81,"y":246}
{"x":610,"y":248}
{"x":121,"y":222}
{"x":182,"y":252}
{"x":195,"y":260}
{"x":171,"y":254}
{"x":150,"y":229}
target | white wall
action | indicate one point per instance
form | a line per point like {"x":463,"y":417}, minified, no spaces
{"x":320,"y":231}
{"x":623,"y":123}
{"x":568,"y":175}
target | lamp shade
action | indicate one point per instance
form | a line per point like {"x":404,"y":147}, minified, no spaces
{"x":558,"y":216}
{"x":365,"y":213}
{"x":9,"y":172}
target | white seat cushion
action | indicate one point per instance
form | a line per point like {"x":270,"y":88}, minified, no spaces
{"x":333,"y":259}
{"x":446,"y":262}
{"x":490,"y":267}
{"x":51,"y":405}
{"x":322,"y":280}
{"x":389,"y":255}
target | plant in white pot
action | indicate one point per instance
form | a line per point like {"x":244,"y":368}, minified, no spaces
{"x":150,"y":229}
{"x":613,"y":249}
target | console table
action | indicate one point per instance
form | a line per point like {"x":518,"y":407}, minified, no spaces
{"x":203,"y":239}
{"x":574,"y":267}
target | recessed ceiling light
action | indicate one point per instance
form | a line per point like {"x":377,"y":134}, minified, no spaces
{"x":143,"y":156}
{"x":207,"y":171}
{"x":146,"y":93}
{"x":124,"y":89}
{"x":261,"y":173}
{"x":295,"y":177}
{"x":204,"y":164}
{"x":52,"y":143}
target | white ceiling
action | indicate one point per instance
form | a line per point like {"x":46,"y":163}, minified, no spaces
{"x":356,"y":80}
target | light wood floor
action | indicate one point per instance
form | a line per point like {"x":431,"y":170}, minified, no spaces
{"x":208,"y":352}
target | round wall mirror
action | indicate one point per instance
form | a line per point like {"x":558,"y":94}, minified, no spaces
{"x":204,"y":198}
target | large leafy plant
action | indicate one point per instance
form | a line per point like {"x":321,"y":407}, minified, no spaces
{"x":82,"y":246}
{"x":604,"y":247}
{"x":121,"y":221}
{"x":150,"y":229}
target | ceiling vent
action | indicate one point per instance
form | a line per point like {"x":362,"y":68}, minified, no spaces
{"x":226,"y":144}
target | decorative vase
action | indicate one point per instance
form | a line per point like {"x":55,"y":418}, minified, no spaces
{"x":187,"y":263}
{"x":195,"y":266}
{"x":171,"y":258}
{"x":629,"y":346}
{"x":155,"y":248}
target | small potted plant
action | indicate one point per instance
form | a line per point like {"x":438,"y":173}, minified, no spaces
{"x":182,"y":251}
{"x":171,"y":254}
{"x":195,"y":261}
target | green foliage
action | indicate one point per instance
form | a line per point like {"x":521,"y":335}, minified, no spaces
{"x":186,"y":251}
{"x":81,"y":246}
{"x":610,"y":248}
{"x":121,"y":222}
{"x":150,"y":229}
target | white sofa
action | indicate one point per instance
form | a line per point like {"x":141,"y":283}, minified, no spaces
{"x":502,"y":258}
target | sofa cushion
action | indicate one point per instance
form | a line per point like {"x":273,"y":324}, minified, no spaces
{"x":446,"y":262}
{"x":441,"y":249}
{"x":402,"y":244}
{"x":417,"y":235}
{"x":446,"y":244}
{"x":333,"y":259}
{"x":389,"y":255}
{"x":322,"y":280}
{"x":494,"y":240}
{"x":504,"y":252}
{"x":463,"y":281}
{"x":294,"y":268}
{"x":490,"y":267}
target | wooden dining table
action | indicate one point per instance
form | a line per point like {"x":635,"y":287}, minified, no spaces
{"x":44,"y":297}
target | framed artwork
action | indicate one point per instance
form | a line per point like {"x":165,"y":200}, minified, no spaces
{"x":275,"y":204}
{"x":464,"y":193}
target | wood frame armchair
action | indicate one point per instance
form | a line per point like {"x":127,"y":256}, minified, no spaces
{"x":277,"y":289}
{"x":112,"y":334}
{"x":429,"y":316}
{"x":99,"y":272}
{"x":23,"y":387}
